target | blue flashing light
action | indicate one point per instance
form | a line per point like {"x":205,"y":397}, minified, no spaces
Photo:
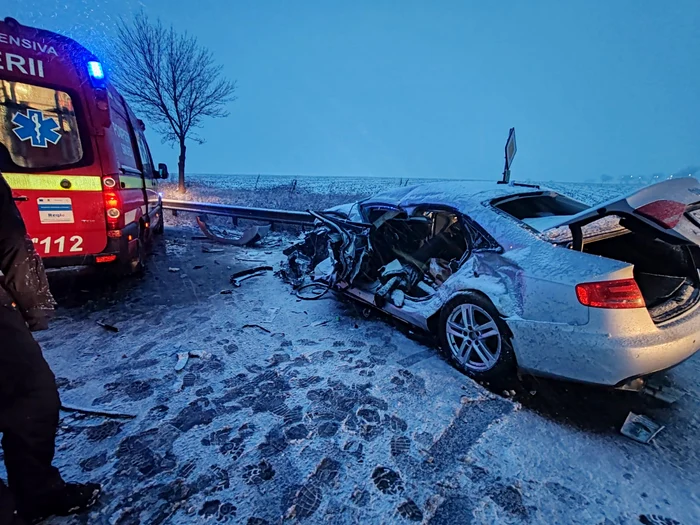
{"x":95,"y":70}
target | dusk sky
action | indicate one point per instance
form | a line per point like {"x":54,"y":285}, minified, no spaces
{"x":430,"y":89}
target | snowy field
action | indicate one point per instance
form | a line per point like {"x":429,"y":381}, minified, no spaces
{"x":302,"y":193}
{"x":369,"y":185}
{"x":313,"y":412}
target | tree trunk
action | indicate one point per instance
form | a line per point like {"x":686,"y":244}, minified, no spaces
{"x":181,"y":167}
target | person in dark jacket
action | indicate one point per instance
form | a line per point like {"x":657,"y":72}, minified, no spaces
{"x":29,"y":400}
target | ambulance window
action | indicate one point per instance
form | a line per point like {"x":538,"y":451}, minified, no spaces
{"x":38,"y":128}
{"x":145,"y":155}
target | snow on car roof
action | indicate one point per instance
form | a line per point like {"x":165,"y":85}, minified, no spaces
{"x":462,"y":195}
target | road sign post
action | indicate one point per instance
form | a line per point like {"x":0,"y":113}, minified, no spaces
{"x":511,"y":149}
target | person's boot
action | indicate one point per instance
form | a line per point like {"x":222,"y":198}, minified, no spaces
{"x":71,"y":498}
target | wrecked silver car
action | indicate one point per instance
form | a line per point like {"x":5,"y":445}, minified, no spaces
{"x":517,"y":276}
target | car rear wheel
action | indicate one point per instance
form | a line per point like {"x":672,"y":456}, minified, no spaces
{"x":476,"y":339}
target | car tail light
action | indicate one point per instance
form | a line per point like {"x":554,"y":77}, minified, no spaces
{"x":623,"y":293}
{"x":666,"y":213}
{"x":105,"y":258}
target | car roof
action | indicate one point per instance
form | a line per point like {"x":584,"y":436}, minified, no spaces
{"x":463,"y":195}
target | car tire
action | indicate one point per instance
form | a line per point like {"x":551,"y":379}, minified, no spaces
{"x":478,"y":344}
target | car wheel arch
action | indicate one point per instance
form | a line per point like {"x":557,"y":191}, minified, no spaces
{"x":434,"y":319}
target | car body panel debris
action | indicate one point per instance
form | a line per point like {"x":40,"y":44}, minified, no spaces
{"x":250,"y":236}
{"x":640,"y":428}
{"x":542,"y":271}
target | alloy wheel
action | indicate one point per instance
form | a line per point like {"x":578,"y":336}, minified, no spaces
{"x":473,"y":337}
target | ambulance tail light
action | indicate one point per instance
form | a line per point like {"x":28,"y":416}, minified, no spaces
{"x":113,"y":206}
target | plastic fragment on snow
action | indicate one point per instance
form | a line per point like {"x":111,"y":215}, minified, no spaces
{"x":206,"y":249}
{"x":272,"y":313}
{"x":640,"y":428}
{"x":173,"y":270}
{"x":108,"y":327}
{"x":182,"y":359}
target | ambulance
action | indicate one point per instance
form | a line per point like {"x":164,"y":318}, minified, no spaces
{"x":74,"y":154}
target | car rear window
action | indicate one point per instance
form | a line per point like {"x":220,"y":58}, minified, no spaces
{"x":540,"y":205}
{"x":38,"y":128}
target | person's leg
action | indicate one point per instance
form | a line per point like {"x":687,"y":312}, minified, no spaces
{"x":29,"y":410}
{"x":8,"y":510}
{"x":29,"y":407}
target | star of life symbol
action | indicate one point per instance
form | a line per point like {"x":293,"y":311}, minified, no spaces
{"x":36,"y":128}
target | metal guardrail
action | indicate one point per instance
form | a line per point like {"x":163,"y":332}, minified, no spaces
{"x":240,"y":212}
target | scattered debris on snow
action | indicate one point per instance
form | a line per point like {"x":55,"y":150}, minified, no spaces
{"x":95,"y":411}
{"x":182,"y":359}
{"x":257,"y":271}
{"x":640,"y":428}
{"x":207,"y":249}
{"x":173,"y":269}
{"x":108,"y":327}
{"x":272,"y":313}
{"x":250,"y":236}
{"x":661,"y":388}
{"x":257,"y":326}
{"x":313,"y":291}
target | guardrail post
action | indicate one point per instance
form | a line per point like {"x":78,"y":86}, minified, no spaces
{"x":234,"y":220}
{"x":174,"y":213}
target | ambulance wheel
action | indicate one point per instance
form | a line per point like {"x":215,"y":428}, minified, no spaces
{"x":160,"y":229}
{"x":138,"y":264}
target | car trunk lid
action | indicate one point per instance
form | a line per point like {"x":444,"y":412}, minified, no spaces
{"x":672,"y":207}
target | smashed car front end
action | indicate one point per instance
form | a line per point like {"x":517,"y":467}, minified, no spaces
{"x":332,"y":254}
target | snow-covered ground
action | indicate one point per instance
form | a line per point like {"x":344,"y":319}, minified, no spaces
{"x":311,"y":411}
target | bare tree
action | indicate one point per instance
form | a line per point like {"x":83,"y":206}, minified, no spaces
{"x":171,"y":79}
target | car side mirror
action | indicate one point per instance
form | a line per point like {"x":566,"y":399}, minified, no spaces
{"x":162,"y":171}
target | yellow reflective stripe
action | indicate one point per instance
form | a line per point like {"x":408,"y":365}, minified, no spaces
{"x":128,"y":182}
{"x":36,"y":181}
